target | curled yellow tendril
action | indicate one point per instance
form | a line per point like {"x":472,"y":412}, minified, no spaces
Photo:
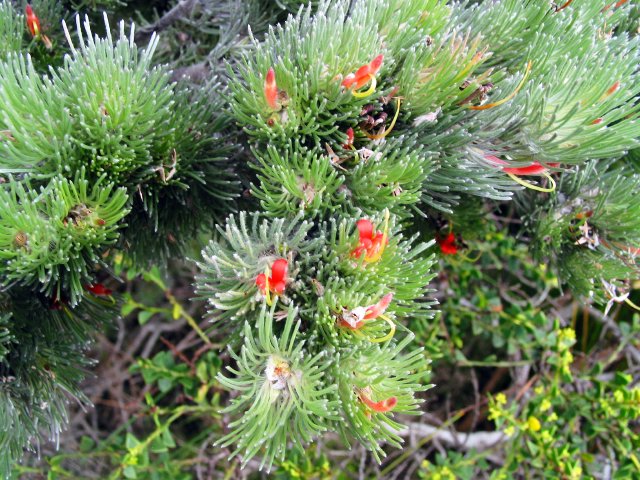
{"x":389,"y":335}
{"x":508,"y":97}
{"x":393,"y":124}
{"x":631,"y":304}
{"x":369,"y":91}
{"x":531,"y":186}
{"x":467,"y":258}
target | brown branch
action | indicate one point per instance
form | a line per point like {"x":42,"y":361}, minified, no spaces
{"x":182,"y":9}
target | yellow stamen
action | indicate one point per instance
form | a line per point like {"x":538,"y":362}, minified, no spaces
{"x":389,"y":335}
{"x":267,"y":293}
{"x":508,"y":97}
{"x":393,"y":124}
{"x":531,"y":186}
{"x":369,"y":91}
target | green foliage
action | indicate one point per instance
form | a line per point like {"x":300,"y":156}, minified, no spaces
{"x":39,"y":367}
{"x":110,"y":111}
{"x":560,"y":430}
{"x":52,"y":239}
{"x":298,"y":182}
{"x":508,"y":321}
{"x":11,"y":30}
{"x":322,"y":271}
{"x":379,"y":373}
{"x":383,"y":125}
{"x":282,"y":396}
{"x":242,"y":252}
{"x":100,"y":150}
{"x":451,"y":466}
{"x":588,"y":230}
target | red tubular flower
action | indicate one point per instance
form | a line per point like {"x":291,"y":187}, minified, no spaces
{"x":535,"y":168}
{"x":382,"y":406}
{"x":371,"y":243}
{"x":98,"y":289}
{"x":277,"y":282}
{"x":447,"y":244}
{"x":363,"y":74}
{"x":33,"y":23}
{"x":271,"y":89}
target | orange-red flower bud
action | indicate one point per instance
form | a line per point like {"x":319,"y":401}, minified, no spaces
{"x":271,"y":89}
{"x":350,"y":138}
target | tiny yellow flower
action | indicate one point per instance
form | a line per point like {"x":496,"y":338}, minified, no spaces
{"x":501,"y":398}
{"x":576,"y":473}
{"x":545,"y":405}
{"x":546,"y":437}
{"x":446,"y":474}
{"x":509,"y":431}
{"x":539,"y":390}
{"x":534,"y":424}
{"x":567,"y":334}
{"x":553,"y":417}
{"x":495,"y":412}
